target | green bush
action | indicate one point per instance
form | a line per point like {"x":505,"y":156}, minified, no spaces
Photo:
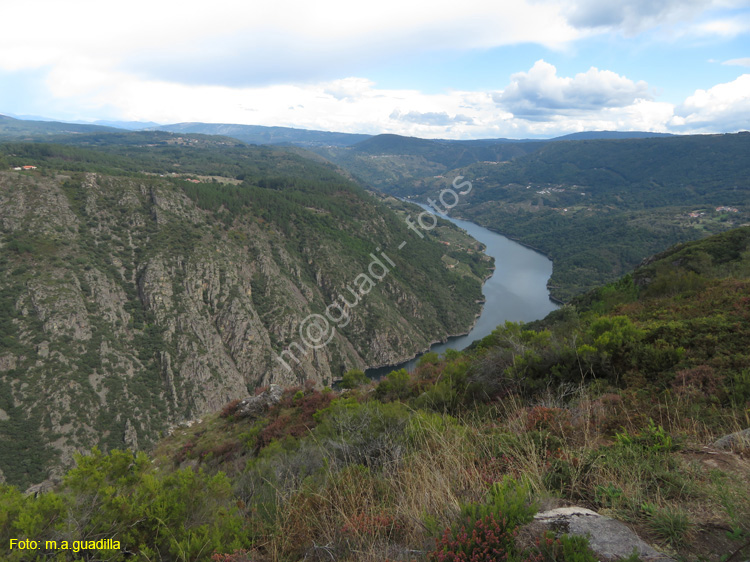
{"x":354,"y":378}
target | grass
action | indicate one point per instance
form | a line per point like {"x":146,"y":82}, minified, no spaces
{"x":670,"y":524}
{"x":613,"y":410}
{"x":562,"y":450}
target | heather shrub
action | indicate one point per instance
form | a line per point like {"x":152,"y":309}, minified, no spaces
{"x":230,"y":408}
{"x":489,"y":539}
{"x":487,"y":530}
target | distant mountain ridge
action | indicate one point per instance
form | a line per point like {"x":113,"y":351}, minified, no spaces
{"x":261,"y":134}
{"x":606,"y":135}
{"x":258,"y":134}
{"x":11,"y":128}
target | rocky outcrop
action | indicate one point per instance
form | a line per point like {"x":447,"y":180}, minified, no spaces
{"x":737,"y":441}
{"x":609,"y":539}
{"x":255,"y":406}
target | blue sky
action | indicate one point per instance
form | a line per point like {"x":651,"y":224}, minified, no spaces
{"x":474,"y":69}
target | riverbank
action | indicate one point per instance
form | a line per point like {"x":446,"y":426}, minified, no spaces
{"x":539,"y":251}
{"x":516,"y":290}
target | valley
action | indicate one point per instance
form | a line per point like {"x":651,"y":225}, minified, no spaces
{"x":134,"y":300}
{"x":167,"y":358}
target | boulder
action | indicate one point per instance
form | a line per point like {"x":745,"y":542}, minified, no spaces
{"x":255,"y":406}
{"x":740,"y":440}
{"x":609,"y":539}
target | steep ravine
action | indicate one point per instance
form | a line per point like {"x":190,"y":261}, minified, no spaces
{"x":125,"y":308}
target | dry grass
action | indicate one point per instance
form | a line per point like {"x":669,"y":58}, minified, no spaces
{"x":659,"y":478}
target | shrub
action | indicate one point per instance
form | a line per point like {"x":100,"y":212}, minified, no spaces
{"x":653,"y":438}
{"x":371,"y":434}
{"x":230,"y":408}
{"x":507,"y":499}
{"x":565,"y":548}
{"x":488,"y":539}
{"x":395,"y":386}
{"x":354,"y":378}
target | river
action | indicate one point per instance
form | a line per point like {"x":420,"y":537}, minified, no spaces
{"x":517,"y":290}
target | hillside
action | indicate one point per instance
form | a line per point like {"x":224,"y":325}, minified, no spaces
{"x":258,"y":134}
{"x":147,"y":285}
{"x":613,"y":404}
{"x":593,"y":135}
{"x":22,"y":129}
{"x":393,"y":163}
{"x":599,"y":207}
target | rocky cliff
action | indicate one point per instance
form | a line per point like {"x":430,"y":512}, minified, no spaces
{"x":127,"y":306}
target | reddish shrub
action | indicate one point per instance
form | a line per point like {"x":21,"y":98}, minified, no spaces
{"x":698,"y":380}
{"x":488,"y":540}
{"x":226,"y":449}
{"x":555,"y":420}
{"x":230,"y":409}
{"x":380,"y":525}
{"x":237,"y":556}
{"x":184,"y":452}
{"x":297,"y":417}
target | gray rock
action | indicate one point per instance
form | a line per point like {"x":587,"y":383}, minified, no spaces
{"x":739,"y":440}
{"x":255,"y":406}
{"x":608,"y":538}
{"x":40,"y":488}
{"x":130,"y":437}
{"x":7,"y":362}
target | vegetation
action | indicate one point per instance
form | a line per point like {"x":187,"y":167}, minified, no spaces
{"x":610,"y":403}
{"x":149,"y":279}
{"x":596,"y":207}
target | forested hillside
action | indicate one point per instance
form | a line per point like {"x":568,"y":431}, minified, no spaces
{"x":393,"y":163}
{"x":598,"y":207}
{"x":613,"y":403}
{"x":147,"y":285}
{"x":11,"y":128}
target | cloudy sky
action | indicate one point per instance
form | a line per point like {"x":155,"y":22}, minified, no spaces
{"x":438,"y":69}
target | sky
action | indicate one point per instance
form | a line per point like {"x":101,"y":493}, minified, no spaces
{"x":462,"y":70}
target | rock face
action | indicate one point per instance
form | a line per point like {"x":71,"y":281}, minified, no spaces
{"x":738,"y":441}
{"x":126,"y":308}
{"x":255,"y":406}
{"x":608,"y":538}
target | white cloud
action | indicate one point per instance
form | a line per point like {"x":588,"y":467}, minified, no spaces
{"x":298,"y":63}
{"x":541,"y":92}
{"x":537,"y":103}
{"x":722,"y":108}
{"x":737,"y":62}
{"x":727,"y":27}
{"x":236,"y":43}
{"x":431,"y":118}
{"x":349,"y":88}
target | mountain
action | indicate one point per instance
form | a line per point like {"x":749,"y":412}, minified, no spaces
{"x":598,"y":207}
{"x":621,"y":409}
{"x":145,"y":285}
{"x":609,"y":135}
{"x":384,"y":161}
{"x":128,"y":125}
{"x":18,"y":129}
{"x":257,"y":134}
